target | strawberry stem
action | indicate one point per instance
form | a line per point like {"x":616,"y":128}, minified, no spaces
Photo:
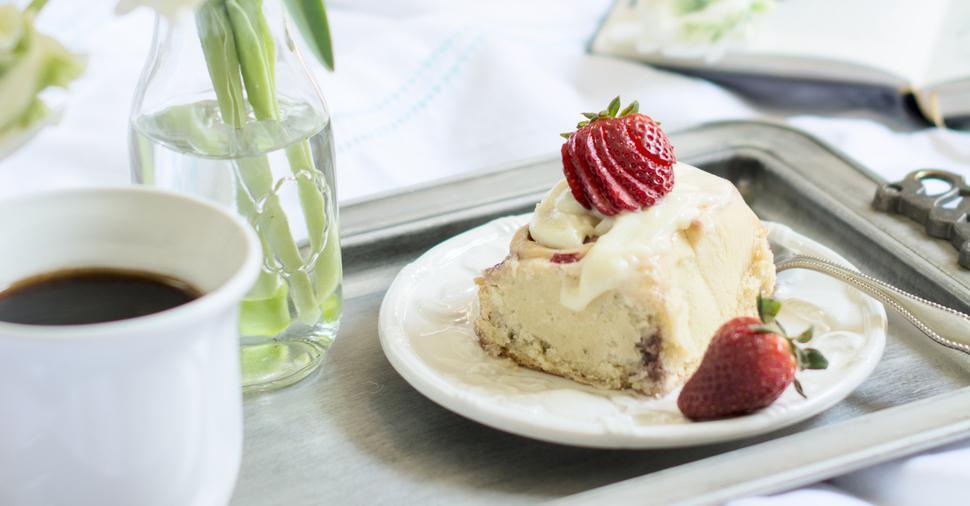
{"x":612,"y":111}
{"x":806,"y":358}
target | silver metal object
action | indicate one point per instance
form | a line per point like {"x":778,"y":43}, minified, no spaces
{"x":943,"y":214}
{"x":356,"y":433}
{"x":932,"y":319}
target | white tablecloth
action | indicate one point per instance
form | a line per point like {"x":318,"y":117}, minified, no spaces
{"x":431,"y":88}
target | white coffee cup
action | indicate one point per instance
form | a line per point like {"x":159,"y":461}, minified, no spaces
{"x":144,"y":411}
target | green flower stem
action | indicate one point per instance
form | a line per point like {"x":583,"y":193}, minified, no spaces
{"x":256,"y":53}
{"x":219,"y":47}
{"x":311,"y":199}
{"x":264,"y":311}
{"x":276,"y":230}
{"x":230,"y":55}
{"x":327,"y":271}
{"x":268,"y":282}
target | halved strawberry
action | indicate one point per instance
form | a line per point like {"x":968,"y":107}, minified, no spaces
{"x":618,"y":162}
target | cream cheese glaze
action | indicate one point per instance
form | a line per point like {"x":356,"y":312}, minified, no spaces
{"x":560,"y":222}
{"x":628,"y":246}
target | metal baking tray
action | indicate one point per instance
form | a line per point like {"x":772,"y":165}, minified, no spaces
{"x":356,"y":433}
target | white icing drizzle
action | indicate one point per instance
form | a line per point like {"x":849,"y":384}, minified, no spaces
{"x":630,"y":241}
{"x":560,"y":222}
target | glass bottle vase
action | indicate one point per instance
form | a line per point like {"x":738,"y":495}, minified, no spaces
{"x":227,"y":110}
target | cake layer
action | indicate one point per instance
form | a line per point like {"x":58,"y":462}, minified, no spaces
{"x":631,"y":301}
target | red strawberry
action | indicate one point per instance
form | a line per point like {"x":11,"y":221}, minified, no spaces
{"x":588,"y":184}
{"x":748,"y":364}
{"x":572,"y":177}
{"x":618,"y":160}
{"x":603,"y":177}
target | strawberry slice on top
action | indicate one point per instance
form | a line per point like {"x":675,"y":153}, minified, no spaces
{"x":618,"y":161}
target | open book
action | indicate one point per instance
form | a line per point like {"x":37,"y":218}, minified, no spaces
{"x":918,"y":47}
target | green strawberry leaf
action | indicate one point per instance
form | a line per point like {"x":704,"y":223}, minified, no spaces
{"x":768,"y":308}
{"x":614,"y":107}
{"x":590,"y":115}
{"x":814,"y":359}
{"x":806,"y":336}
{"x":798,"y":388}
{"x":633,"y":108}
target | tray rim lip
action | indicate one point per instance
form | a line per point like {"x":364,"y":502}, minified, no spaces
{"x":560,"y":435}
{"x":927,"y":439}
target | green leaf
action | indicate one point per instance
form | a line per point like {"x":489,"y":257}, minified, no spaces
{"x":310,"y":17}
{"x":806,"y":336}
{"x":768,"y":308}
{"x":614,"y":107}
{"x":566,"y":135}
{"x":581,"y":124}
{"x":633,"y":108}
{"x":798,"y":388}
{"x":813,"y":359}
{"x":591,"y":115}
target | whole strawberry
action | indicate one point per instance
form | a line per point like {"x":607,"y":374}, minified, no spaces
{"x":748,"y":364}
{"x":618,"y":160}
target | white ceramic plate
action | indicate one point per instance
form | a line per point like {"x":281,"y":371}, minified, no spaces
{"x":426,"y":332}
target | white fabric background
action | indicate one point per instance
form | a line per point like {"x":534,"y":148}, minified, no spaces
{"x":431,"y":88}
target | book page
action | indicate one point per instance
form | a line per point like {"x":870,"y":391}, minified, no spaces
{"x":896,"y":36}
{"x":950,"y":59}
{"x":887,"y":42}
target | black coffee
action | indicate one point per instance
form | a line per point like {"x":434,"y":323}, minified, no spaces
{"x":95,"y":295}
